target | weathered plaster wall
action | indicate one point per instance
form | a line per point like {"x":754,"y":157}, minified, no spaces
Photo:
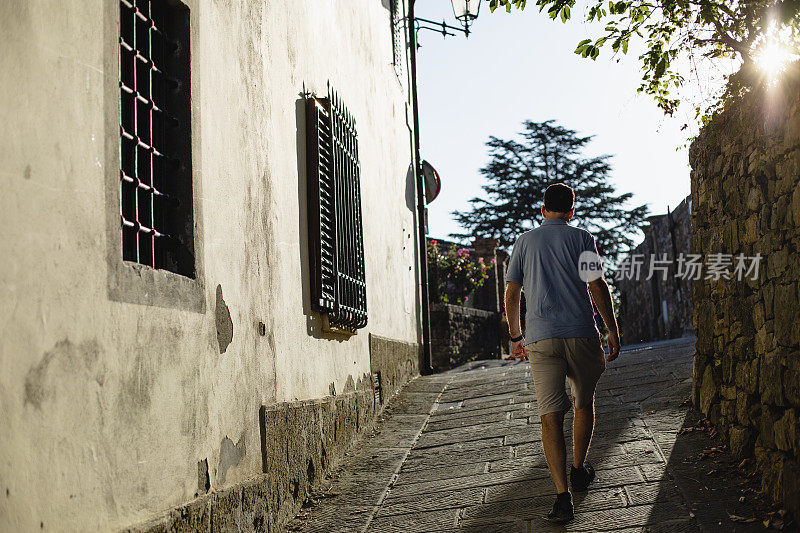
{"x":746,"y":199}
{"x":118,"y":382}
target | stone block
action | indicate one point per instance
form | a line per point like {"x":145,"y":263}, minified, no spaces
{"x":751,"y":232}
{"x":226,"y":511}
{"x":790,"y":486}
{"x":728,"y":392}
{"x":764,"y":341}
{"x":766,"y":424}
{"x":751,"y":385}
{"x":781,"y":215}
{"x":780,"y":477}
{"x":794,"y":207}
{"x":719,"y":346}
{"x":765,"y":218}
{"x":728,"y":375}
{"x":708,"y":390}
{"x":397,"y":362}
{"x":787,"y":319}
{"x":194,"y":517}
{"x":791,"y":379}
{"x":767,"y":293}
{"x":740,"y":442}
{"x":758,"y":314}
{"x":727,"y":410}
{"x":754,"y":198}
{"x":777,"y":262}
{"x":785,"y":432}
{"x":770,"y":380}
{"x":744,"y":405}
{"x":742,"y":368}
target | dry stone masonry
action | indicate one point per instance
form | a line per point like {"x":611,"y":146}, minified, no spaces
{"x":461,"y":334}
{"x":746,"y":200}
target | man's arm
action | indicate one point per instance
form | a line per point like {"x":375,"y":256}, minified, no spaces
{"x":513,"y":294}
{"x":601,"y":296}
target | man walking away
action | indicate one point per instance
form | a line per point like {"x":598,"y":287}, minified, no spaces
{"x":561,"y":338}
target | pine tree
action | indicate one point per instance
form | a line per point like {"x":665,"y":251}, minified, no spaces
{"x":520,"y":170}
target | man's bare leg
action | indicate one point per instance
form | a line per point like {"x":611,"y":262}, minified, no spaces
{"x":554,"y":448}
{"x":582,"y":428}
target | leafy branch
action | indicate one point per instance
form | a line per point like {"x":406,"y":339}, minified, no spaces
{"x":670,"y":28}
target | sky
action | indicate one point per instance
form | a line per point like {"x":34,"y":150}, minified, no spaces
{"x":521,"y":66}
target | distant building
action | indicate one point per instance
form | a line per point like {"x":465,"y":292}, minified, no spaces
{"x":659,"y":307}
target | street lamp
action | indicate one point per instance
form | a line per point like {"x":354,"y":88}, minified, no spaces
{"x":466,"y":11}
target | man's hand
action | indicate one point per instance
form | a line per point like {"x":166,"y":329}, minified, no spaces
{"x":513,"y":296}
{"x":601,"y":296}
{"x":518,"y":351}
{"x":613,"y":345}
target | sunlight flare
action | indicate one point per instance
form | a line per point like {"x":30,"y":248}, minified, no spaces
{"x":774,"y":50}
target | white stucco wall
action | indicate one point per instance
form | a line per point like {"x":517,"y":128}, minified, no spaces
{"x":107,"y":405}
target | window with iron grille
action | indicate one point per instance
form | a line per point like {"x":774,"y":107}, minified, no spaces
{"x":398,"y":40}
{"x":336,"y":242}
{"x":155,"y":140}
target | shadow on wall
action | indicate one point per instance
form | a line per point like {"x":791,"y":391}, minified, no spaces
{"x":313,"y":319}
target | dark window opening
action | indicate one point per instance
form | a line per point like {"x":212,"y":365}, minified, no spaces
{"x":336,"y":241}
{"x":155,"y":135}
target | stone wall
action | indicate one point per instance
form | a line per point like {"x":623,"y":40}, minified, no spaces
{"x":746,"y":199}
{"x":460,"y":334}
{"x":659,"y":307}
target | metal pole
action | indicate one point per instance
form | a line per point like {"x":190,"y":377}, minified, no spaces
{"x":426,"y":365}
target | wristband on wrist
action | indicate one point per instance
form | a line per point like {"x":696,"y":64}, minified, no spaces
{"x":517,"y":339}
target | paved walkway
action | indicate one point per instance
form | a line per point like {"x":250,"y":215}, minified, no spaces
{"x":462,"y":451}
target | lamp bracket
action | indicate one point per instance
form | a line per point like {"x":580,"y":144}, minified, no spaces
{"x":439,"y":27}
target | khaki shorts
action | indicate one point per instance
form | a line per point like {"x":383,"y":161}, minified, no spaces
{"x":581,"y":360}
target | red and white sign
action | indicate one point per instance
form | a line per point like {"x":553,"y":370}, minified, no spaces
{"x":433,"y":185}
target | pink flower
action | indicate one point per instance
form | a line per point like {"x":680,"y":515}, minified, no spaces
{"x":494,"y":261}
{"x":433,"y":242}
{"x":465,"y":298}
{"x":480,"y":260}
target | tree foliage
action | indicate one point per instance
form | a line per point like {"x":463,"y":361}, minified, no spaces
{"x":520,"y":170}
{"x":670,"y":28}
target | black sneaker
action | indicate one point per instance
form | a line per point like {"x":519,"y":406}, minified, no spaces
{"x":562,"y":510}
{"x":581,"y":477}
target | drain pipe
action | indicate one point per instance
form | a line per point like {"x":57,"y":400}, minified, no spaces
{"x":426,"y":364}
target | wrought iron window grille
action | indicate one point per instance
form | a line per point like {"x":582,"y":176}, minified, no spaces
{"x":155,"y":135}
{"x":398,"y":35}
{"x":336,"y":241}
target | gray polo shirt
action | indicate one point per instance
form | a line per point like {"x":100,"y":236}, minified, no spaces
{"x":545,"y":263}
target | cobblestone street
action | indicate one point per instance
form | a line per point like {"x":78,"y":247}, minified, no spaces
{"x":462,"y":451}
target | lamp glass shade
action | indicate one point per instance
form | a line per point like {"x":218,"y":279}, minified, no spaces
{"x":466,"y":10}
